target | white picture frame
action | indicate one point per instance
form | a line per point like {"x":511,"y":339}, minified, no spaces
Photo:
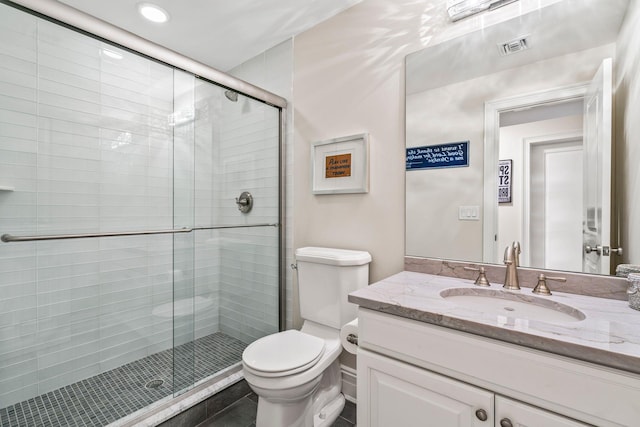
{"x":340,"y":165}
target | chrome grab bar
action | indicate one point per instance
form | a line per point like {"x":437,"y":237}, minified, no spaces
{"x":8,"y":238}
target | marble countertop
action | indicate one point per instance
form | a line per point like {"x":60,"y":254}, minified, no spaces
{"x":609,"y":335}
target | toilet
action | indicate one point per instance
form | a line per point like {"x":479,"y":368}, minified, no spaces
{"x":296,"y":374}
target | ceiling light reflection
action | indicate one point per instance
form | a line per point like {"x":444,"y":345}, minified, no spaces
{"x":111,"y":54}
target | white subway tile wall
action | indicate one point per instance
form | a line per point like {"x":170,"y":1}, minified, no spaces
{"x":273,"y":71}
{"x":243,"y":157}
{"x":94,"y":139}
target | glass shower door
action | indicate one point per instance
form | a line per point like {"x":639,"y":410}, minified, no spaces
{"x":96,"y":140}
{"x":85,"y":147}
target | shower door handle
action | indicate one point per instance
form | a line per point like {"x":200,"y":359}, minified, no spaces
{"x":8,"y":238}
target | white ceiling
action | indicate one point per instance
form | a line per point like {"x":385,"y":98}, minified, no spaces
{"x":219,"y":33}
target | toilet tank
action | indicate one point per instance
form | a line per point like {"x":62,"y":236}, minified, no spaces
{"x":326,"y":276}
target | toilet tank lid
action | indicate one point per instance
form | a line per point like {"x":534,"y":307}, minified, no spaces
{"x":343,"y":257}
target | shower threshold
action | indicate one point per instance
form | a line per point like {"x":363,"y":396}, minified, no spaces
{"x":115,"y":394}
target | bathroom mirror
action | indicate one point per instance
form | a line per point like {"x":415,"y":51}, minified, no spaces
{"x":521,"y":93}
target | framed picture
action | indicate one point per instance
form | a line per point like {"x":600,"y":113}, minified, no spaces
{"x":504,"y":180}
{"x":340,"y":165}
{"x":451,"y":155}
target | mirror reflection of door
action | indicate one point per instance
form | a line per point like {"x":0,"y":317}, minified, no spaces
{"x":597,"y":172}
{"x":561,"y":198}
{"x":545,"y":214}
{"x":555,"y":231}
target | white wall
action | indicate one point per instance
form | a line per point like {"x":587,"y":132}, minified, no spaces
{"x":349,"y":79}
{"x":627,"y":137}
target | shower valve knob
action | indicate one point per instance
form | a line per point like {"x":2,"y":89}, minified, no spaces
{"x":244,"y":202}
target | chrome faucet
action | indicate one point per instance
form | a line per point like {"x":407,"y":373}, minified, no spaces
{"x":512,"y":261}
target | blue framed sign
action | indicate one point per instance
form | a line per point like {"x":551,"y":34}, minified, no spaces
{"x":451,"y":155}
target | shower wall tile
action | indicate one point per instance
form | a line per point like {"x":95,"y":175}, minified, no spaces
{"x":249,"y":301}
{"x":206,"y":281}
{"x":18,"y":55}
{"x":13,"y":131}
{"x":234,"y":141}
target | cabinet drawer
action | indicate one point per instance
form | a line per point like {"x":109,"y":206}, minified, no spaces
{"x":523,"y":415}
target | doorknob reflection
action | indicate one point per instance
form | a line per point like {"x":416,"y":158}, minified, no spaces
{"x":588,"y":249}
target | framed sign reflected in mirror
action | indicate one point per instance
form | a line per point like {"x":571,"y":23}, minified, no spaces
{"x":505,"y":167}
{"x":340,"y":165}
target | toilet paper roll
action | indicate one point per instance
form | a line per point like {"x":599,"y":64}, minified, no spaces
{"x":347,"y":334}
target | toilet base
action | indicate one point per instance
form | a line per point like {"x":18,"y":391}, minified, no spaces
{"x":330,"y":412}
{"x":316,"y":404}
{"x":279,"y":414}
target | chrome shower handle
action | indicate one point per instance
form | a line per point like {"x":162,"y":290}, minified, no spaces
{"x":245,"y":202}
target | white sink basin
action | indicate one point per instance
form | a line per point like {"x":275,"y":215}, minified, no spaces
{"x":512,"y":304}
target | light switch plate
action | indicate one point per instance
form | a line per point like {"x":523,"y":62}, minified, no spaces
{"x":469,"y":213}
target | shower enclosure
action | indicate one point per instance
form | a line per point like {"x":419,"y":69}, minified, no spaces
{"x":128,"y":273}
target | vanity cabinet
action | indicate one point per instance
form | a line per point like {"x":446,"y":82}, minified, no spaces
{"x":404,"y":395}
{"x":413,"y":373}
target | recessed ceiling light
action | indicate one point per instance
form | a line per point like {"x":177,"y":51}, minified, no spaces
{"x":153,"y":13}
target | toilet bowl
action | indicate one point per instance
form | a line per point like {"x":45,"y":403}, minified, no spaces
{"x":296,"y":374}
{"x":299,"y":377}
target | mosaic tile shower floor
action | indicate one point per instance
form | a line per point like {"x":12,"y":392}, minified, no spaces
{"x":105,"y":398}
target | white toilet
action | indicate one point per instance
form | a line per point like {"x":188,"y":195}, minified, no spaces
{"x":296,"y":374}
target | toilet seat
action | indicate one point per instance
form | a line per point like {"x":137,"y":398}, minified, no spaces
{"x":284,"y":353}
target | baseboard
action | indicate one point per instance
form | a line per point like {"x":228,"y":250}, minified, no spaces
{"x":349,"y":383}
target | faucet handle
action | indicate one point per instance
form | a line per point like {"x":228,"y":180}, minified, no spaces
{"x":542,"y":288}
{"x":481,"y":280}
{"x":516,"y":252}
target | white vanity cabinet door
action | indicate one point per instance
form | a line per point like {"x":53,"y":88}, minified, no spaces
{"x":394,"y":393}
{"x":522,"y":415}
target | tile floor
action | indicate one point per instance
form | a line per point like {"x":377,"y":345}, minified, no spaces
{"x":242,"y":413}
{"x":236,"y":406}
{"x":107,"y":397}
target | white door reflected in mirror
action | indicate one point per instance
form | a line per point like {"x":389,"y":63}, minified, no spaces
{"x":559,"y":142}
{"x":558,"y":167}
{"x":597,"y":170}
